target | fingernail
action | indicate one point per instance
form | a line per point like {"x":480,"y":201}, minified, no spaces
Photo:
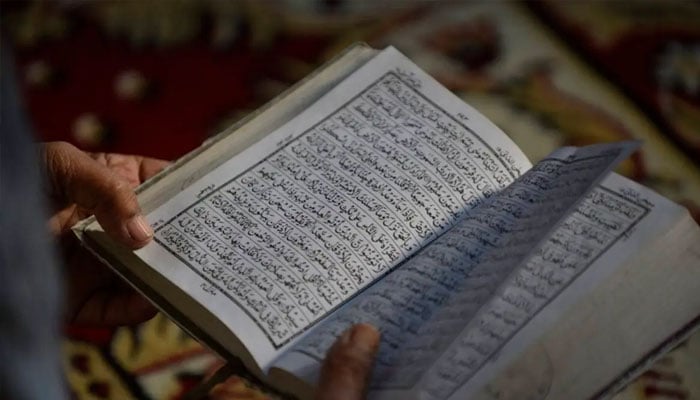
{"x":344,"y":338}
{"x":138,"y":228}
{"x":364,"y":338}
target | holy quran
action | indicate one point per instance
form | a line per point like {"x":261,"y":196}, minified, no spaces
{"x":370,"y":193}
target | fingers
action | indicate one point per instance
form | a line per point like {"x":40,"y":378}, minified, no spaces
{"x":150,"y":167}
{"x":348,"y":364}
{"x":77,"y":178}
{"x":134,"y":169}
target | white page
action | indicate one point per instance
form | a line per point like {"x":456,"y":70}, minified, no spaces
{"x":422,"y":307}
{"x":285,"y":232}
{"x":616,"y":222}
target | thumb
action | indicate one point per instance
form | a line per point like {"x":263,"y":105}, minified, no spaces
{"x":347,"y":367}
{"x":76,"y":178}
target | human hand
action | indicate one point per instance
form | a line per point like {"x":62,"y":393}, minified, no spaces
{"x":344,"y":373}
{"x":82,"y":184}
{"x":348,"y":364}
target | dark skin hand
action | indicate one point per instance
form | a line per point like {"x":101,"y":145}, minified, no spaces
{"x":82,"y":184}
{"x":348,"y":364}
{"x":345,"y":371}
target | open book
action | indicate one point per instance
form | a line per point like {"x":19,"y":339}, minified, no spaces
{"x":370,"y":193}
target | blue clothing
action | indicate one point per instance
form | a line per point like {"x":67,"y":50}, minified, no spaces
{"x":30,"y":293}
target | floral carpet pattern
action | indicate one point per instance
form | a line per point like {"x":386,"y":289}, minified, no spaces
{"x":157,"y":78}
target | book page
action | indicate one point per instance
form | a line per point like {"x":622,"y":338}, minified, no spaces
{"x":603,"y":218}
{"x":287,"y":231}
{"x":608,"y":288}
{"x":423,"y":306}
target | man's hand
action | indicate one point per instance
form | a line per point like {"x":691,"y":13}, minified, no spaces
{"x":80,"y":185}
{"x":344,"y":373}
{"x":348,"y":364}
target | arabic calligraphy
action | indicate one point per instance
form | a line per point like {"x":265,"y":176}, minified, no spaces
{"x":340,"y":205}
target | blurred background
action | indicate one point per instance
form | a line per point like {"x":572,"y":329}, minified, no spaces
{"x":157,"y":78}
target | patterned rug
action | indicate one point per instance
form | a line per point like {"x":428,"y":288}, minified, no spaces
{"x":157,"y":78}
